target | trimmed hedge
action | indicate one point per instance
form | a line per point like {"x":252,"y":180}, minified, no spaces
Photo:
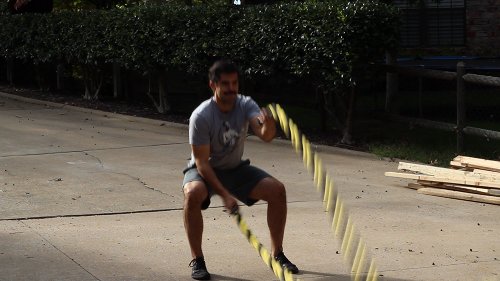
{"x":319,"y":41}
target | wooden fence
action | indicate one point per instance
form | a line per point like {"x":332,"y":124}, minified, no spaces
{"x":460,"y":76}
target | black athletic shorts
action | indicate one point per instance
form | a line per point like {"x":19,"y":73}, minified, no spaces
{"x":239,"y":181}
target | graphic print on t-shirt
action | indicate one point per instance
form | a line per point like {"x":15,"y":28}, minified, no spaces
{"x":228,"y":137}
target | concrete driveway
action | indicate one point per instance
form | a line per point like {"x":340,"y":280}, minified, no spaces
{"x":89,"y":195}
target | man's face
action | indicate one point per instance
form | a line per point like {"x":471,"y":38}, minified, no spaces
{"x":226,"y":89}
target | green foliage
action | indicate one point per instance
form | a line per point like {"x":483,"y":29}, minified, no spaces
{"x":3,"y":7}
{"x":76,"y":5}
{"x":92,"y":4}
{"x":318,"y":41}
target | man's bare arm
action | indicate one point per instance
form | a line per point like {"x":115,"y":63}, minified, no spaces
{"x":201,"y":155}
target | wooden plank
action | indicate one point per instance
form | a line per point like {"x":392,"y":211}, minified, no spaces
{"x":415,"y":186}
{"x":455,"y":180}
{"x":460,"y":195}
{"x":457,"y":164}
{"x":482,"y":79}
{"x":445,"y":172}
{"x":472,"y":167}
{"x":463,"y":188}
{"x":429,"y":182}
{"x":429,"y":170}
{"x":494,"y":192}
{"x":489,"y":165}
{"x":490,"y":134}
{"x":487,"y":173}
{"x":402,"y":175}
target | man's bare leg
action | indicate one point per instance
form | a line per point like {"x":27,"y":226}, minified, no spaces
{"x":273,"y":191}
{"x":194,"y":194}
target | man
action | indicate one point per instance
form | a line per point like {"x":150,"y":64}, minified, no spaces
{"x":217,"y":132}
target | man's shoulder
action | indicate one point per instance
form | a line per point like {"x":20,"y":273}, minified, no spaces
{"x":203,"y":108}
{"x":243,"y":98}
{"x":248,"y":104}
{"x":245,"y":101}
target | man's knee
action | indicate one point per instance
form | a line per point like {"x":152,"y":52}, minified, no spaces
{"x":279,"y":190}
{"x":270,"y":189}
{"x":195,"y":193}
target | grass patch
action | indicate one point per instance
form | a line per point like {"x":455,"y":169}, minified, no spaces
{"x":412,"y":152}
{"x":428,"y":146}
{"x":398,"y":140}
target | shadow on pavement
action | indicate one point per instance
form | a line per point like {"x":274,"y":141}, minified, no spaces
{"x":321,"y":276}
{"x":219,"y":277}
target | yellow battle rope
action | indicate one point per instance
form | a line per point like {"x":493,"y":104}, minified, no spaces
{"x":282,"y":273}
{"x":352,"y":245}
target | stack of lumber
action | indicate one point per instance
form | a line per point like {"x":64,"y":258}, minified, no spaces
{"x":469,"y":178}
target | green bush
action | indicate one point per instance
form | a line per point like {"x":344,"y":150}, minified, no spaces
{"x":319,"y":40}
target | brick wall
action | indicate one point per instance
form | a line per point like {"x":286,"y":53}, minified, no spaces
{"x":483,"y":26}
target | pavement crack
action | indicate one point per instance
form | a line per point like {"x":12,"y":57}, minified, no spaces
{"x":61,"y":251}
{"x":141,"y":182}
{"x":93,"y":214}
{"x":87,"y":150}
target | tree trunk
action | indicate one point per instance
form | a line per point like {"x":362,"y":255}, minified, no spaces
{"x":41,"y":72}
{"x":97,"y":84}
{"x":87,"y":95}
{"x":161,"y":103}
{"x":93,"y":80}
{"x":322,"y":107}
{"x":125,"y":82}
{"x":164,"y":106}
{"x":117,"y":81}
{"x":340,"y":106}
{"x":86,"y":80}
{"x":391,"y":83}
{"x":60,"y":82}
{"x":330,"y":109}
{"x":10,"y":71}
{"x":347,"y":138}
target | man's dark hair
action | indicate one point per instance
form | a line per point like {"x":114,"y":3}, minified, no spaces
{"x":222,"y":66}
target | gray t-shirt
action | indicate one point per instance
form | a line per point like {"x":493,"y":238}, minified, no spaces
{"x":225,"y":132}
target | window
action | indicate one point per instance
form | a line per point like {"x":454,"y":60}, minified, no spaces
{"x":428,"y":23}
